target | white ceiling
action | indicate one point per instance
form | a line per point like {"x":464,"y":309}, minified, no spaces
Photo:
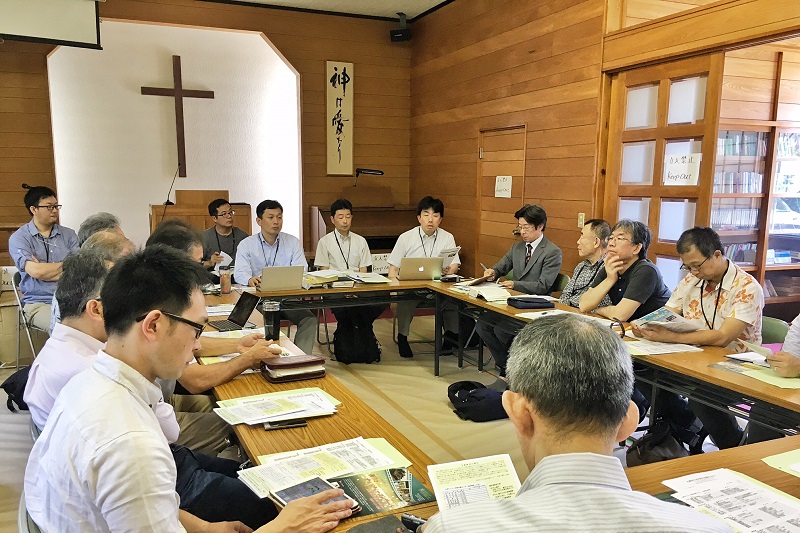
{"x":373,"y":8}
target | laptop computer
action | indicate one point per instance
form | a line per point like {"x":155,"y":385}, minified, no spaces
{"x":239,"y":315}
{"x":281,"y":278}
{"x":421,"y":268}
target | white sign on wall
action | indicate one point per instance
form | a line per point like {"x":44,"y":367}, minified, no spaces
{"x":682,"y":169}
{"x":502,"y":187}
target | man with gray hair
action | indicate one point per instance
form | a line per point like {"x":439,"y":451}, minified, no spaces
{"x":570,"y":381}
{"x":98,"y":222}
{"x":632,"y":282}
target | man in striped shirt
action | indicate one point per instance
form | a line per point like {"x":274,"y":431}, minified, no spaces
{"x":570,"y":381}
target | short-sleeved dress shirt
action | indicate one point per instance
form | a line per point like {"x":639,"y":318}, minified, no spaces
{"x":740,"y":297}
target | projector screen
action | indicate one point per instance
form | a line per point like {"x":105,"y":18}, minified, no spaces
{"x":67,"y":22}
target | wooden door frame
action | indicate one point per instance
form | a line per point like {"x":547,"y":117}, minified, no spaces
{"x":712,"y":65}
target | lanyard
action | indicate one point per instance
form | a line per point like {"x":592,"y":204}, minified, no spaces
{"x":45,"y":242}
{"x":274,"y":257}
{"x":233,"y":236}
{"x":435,"y":236}
{"x":350,"y":247}
{"x":716,"y":303}
{"x":595,"y":269}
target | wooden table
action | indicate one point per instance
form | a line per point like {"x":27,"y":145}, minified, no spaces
{"x":744,"y":459}
{"x":353,"y":419}
{"x":687,"y":373}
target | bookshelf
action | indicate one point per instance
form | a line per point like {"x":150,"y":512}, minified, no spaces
{"x":737,"y":192}
{"x":782,"y":258}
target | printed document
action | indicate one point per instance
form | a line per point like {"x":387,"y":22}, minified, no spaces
{"x":743,"y":502}
{"x":473,"y":480}
{"x":668,"y":319}
{"x":448,"y":254}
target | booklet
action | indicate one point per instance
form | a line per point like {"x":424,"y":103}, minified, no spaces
{"x":306,"y":488}
{"x":668,"y":319}
{"x":384,"y":490}
{"x":474,"y":480}
{"x":448,"y":254}
{"x":491,"y":292}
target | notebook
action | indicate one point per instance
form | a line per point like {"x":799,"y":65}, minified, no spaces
{"x":421,"y":268}
{"x":281,"y":278}
{"x":239,"y":315}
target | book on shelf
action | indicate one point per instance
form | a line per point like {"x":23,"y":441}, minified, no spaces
{"x":730,"y":218}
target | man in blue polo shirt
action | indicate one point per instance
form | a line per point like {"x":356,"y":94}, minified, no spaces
{"x":38,"y":248}
{"x":272,"y":247}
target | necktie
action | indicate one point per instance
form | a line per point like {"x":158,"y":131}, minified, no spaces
{"x":528,"y":252}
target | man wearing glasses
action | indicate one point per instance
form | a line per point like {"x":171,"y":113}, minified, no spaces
{"x":224,"y":237}
{"x":38,"y":249}
{"x":631,"y":281}
{"x":725,"y":303}
{"x":536,"y":262}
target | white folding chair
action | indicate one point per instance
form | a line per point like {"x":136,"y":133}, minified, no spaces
{"x":25,"y":523}
{"x":23,"y":319}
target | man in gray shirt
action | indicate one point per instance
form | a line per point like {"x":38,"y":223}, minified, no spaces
{"x":223,"y":236}
{"x":570,"y":383}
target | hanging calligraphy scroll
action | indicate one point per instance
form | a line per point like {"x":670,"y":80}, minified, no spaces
{"x":339,"y":126}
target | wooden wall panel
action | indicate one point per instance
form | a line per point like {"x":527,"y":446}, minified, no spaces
{"x":748,"y":83}
{"x":720,"y":25}
{"x":638,"y":11}
{"x":498,"y":65}
{"x":381,"y":107}
{"x":26,"y":140}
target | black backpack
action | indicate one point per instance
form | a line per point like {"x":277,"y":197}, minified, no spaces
{"x":15,"y":388}
{"x":353,"y":343}
{"x":474,"y":401}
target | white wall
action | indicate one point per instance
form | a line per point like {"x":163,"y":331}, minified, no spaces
{"x":115,"y":149}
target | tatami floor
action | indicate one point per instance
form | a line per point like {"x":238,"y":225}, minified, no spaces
{"x":402,"y":391}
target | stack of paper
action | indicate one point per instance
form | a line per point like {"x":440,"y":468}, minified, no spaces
{"x":321,"y":278}
{"x":219,"y":310}
{"x":646,"y":347}
{"x":328,"y":461}
{"x":491,"y":292}
{"x":743,"y":502}
{"x":367,"y":277}
{"x":473,"y":480}
{"x":297,"y":403}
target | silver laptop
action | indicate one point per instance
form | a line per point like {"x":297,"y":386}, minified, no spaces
{"x":281,"y":278}
{"x":421,"y":268}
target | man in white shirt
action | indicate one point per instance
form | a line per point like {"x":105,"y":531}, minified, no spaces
{"x":272,"y":247}
{"x":102,"y":462}
{"x":426,"y":240}
{"x":344,"y":250}
{"x":570,"y":382}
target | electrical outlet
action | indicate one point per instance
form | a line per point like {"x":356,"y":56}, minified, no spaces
{"x":581,"y":218}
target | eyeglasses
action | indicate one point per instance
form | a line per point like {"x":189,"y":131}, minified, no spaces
{"x":618,"y":326}
{"x":226,"y":214}
{"x":191,"y":323}
{"x":525,"y":227}
{"x":615,"y":238}
{"x":50,"y":208}
{"x":687,"y":268}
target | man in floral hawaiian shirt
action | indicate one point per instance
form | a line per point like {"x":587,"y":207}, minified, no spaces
{"x":725,"y":302}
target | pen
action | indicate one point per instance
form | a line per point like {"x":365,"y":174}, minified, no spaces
{"x":484,"y":267}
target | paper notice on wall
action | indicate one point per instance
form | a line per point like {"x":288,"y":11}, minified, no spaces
{"x":502,"y":187}
{"x":682,"y":169}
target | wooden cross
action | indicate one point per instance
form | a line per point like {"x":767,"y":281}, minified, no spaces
{"x":179,"y":93}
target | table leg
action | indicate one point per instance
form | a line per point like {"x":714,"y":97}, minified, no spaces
{"x":437,"y":325}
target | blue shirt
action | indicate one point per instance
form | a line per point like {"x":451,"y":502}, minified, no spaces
{"x":254,"y":253}
{"x":26,"y":243}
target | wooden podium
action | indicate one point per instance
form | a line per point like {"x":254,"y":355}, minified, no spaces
{"x":192,"y":206}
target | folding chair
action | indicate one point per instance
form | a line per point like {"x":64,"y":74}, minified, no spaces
{"x":23,"y":319}
{"x":773,"y":330}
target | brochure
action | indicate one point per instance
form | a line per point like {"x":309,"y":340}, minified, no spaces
{"x":473,"y":480}
{"x":384,"y":490}
{"x":668,"y":319}
{"x":448,"y":254}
